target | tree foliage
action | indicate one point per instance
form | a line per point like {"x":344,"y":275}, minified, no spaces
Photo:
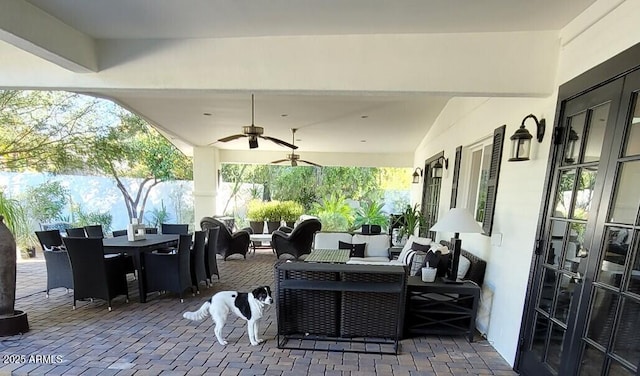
{"x":134,"y":149}
{"x":45,"y":131}
{"x":65,"y":132}
{"x":46,"y":201}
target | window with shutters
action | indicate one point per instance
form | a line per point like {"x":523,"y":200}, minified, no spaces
{"x":483,"y":166}
{"x":478,"y":178}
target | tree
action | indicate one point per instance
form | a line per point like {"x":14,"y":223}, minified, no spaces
{"x":134,"y":149}
{"x":46,"y":201}
{"x":44,"y":131}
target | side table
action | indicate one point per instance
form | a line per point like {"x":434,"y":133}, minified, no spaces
{"x":440,"y":308}
{"x":394,"y":252}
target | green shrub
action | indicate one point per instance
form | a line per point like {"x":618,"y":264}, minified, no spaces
{"x":45,"y":202}
{"x":291,"y":211}
{"x":255,"y":211}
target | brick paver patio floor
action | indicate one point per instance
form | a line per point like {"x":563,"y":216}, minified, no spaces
{"x":153,"y":338}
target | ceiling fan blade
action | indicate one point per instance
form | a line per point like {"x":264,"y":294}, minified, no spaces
{"x":280,"y":161}
{"x":311,"y":163}
{"x":233,"y":137}
{"x":280,"y":142}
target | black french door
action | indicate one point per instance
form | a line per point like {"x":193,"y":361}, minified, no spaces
{"x":582,"y":315}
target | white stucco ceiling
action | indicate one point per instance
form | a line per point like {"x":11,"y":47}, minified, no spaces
{"x":174,"y":61}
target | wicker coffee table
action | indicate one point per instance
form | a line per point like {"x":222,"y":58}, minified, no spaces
{"x":335,"y":256}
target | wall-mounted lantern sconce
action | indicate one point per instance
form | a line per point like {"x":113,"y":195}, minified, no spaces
{"x":417,"y":174}
{"x":436,"y":169}
{"x":572,"y":142}
{"x":521,"y":139}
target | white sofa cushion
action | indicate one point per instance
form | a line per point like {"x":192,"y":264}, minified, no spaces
{"x":329,"y":240}
{"x":377,"y":245}
{"x":370,"y":260}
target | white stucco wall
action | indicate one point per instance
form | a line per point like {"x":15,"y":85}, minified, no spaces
{"x":606,"y":29}
{"x":463,"y":122}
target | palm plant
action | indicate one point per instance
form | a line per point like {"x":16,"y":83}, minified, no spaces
{"x":334,"y":213}
{"x":371,"y":213}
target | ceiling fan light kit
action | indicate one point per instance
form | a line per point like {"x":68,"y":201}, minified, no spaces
{"x":253,"y":133}
{"x":293,"y":157}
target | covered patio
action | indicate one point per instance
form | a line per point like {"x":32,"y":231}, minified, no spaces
{"x":154,"y":339}
{"x":394,"y":85}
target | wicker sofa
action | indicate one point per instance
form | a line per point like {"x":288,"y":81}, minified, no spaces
{"x":376,"y":249}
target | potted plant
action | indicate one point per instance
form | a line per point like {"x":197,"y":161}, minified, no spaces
{"x":411,"y":220}
{"x":291,"y":211}
{"x":273,"y":215}
{"x":11,"y":321}
{"x":370,"y":213}
{"x":256,"y":216}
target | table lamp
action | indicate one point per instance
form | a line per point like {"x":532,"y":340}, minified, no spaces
{"x":456,"y":220}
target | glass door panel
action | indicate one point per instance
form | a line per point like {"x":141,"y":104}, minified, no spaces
{"x":625,"y":204}
{"x":595,"y":132}
{"x":633,"y":139}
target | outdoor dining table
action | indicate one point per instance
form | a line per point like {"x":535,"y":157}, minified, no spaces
{"x":136,"y":249}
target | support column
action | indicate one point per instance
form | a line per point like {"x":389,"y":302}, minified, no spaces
{"x":205,"y":182}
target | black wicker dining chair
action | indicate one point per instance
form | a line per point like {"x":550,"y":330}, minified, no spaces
{"x":77,"y":232}
{"x":175,"y":228}
{"x":170,"y":271}
{"x":117,"y":233}
{"x":56,"y":259}
{"x":94,"y":231}
{"x":211,"y":264}
{"x":94,"y":275}
{"x":198,"y":268}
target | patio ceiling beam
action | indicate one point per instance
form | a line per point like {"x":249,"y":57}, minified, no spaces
{"x":36,"y":32}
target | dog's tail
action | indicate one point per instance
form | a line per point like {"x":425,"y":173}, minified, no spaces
{"x":200,"y":314}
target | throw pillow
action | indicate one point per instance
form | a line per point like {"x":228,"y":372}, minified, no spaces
{"x":443,"y":264}
{"x":407,"y":258}
{"x":420,"y":247}
{"x":355,"y":250}
{"x":463,"y":267}
{"x":415,"y":239}
{"x":417,"y":263}
{"x":432,"y":258}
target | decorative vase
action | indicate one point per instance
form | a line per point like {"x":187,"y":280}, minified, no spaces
{"x":11,"y":321}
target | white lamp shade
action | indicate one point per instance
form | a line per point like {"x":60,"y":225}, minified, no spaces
{"x":457,"y":220}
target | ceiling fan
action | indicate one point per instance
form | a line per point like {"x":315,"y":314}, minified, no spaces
{"x":254,"y":133}
{"x":293,"y":157}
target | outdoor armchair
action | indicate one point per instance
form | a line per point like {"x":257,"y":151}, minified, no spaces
{"x":228,"y":243}
{"x":298,"y":242}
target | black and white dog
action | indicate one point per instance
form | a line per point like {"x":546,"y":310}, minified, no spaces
{"x":248,"y":306}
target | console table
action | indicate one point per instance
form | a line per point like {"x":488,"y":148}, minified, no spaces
{"x":441,"y":308}
{"x":359,"y":308}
